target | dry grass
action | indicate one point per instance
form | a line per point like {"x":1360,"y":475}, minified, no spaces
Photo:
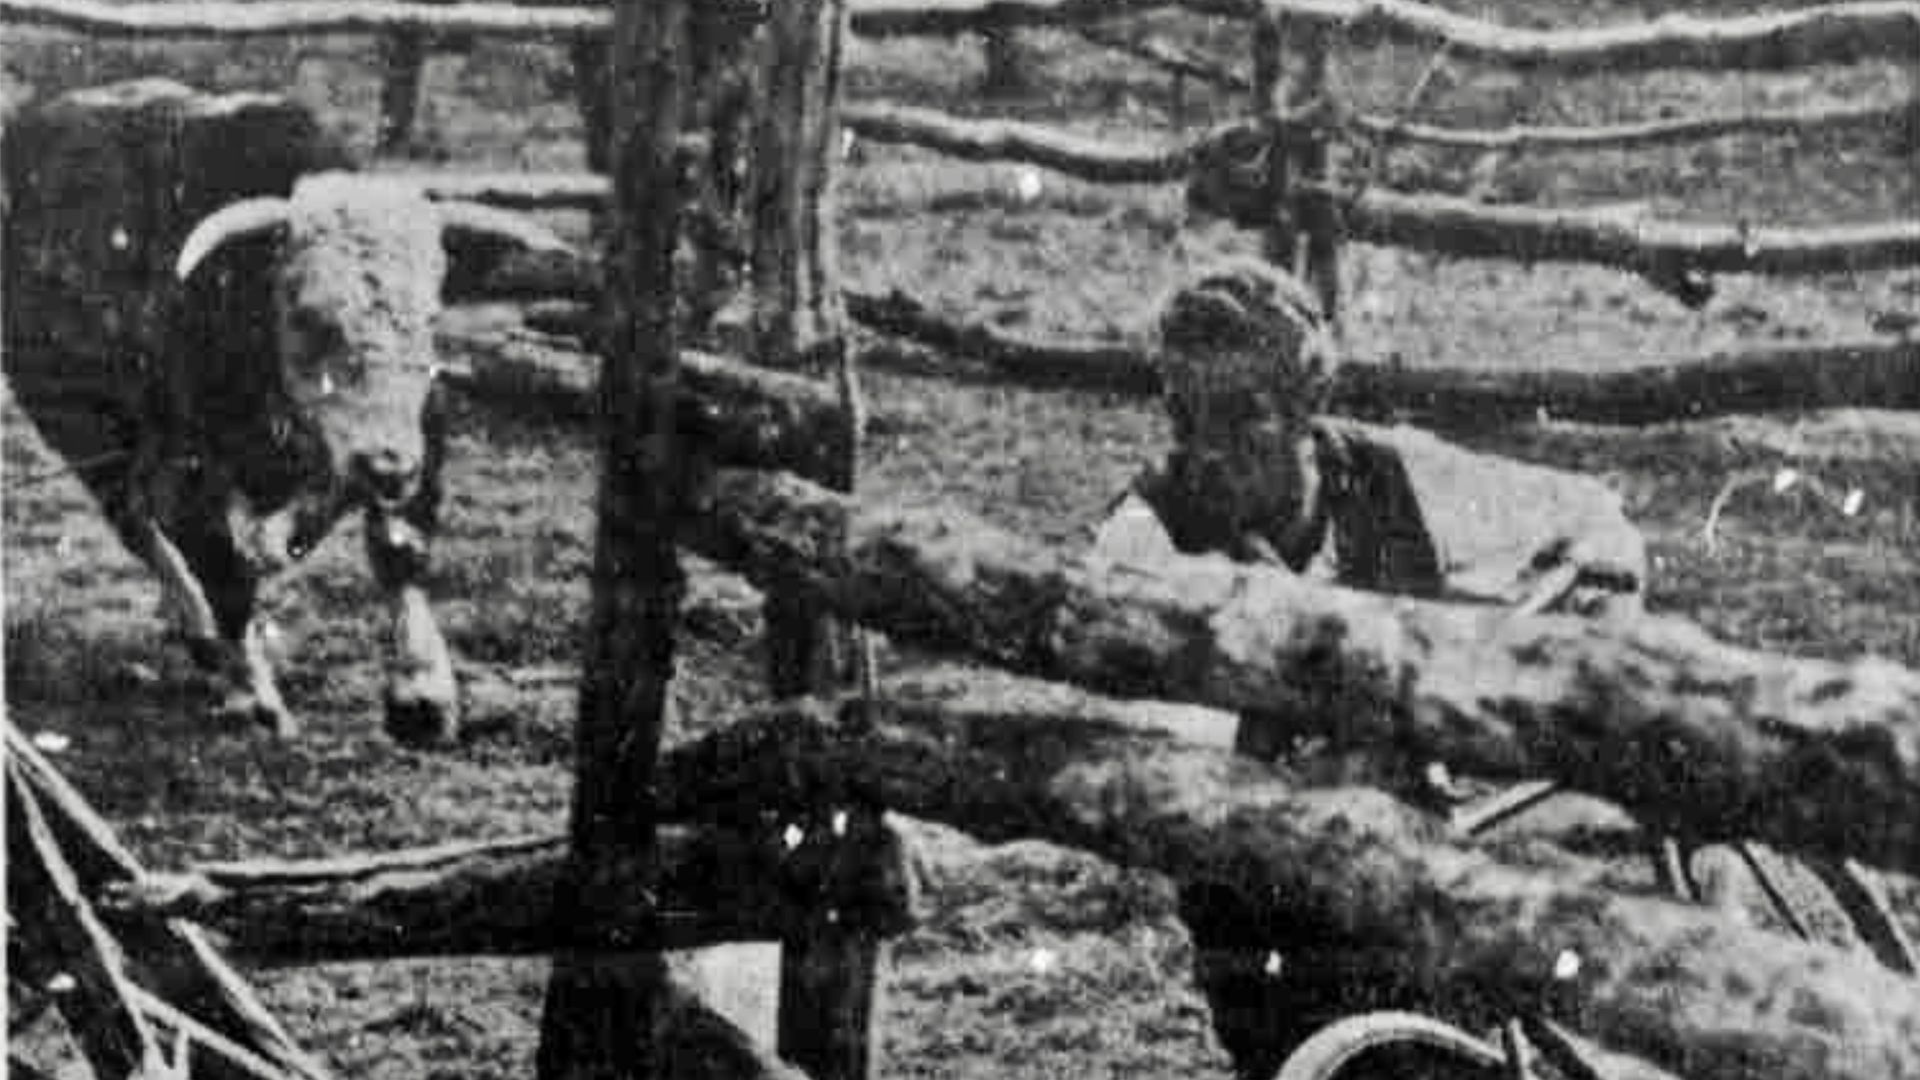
{"x":965,"y":995}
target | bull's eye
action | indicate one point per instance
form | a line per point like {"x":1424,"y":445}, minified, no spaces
{"x":317,"y":335}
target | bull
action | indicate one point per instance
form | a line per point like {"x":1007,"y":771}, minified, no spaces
{"x":282,"y":377}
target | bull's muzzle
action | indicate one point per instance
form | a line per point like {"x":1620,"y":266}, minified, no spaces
{"x":385,"y":476}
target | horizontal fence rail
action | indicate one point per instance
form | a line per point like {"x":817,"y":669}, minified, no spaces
{"x":1467,"y":229}
{"x":752,"y":419}
{"x":1645,"y":133}
{"x":1478,"y":694}
{"x":1097,"y":160}
{"x":1452,"y":226}
{"x":1102,"y":161}
{"x":1832,"y":34}
{"x":230,"y":19}
{"x":1173,"y":61}
{"x":1110,"y":161}
{"x":1836,"y":33}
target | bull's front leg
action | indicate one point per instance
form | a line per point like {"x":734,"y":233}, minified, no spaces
{"x":422,"y":700}
{"x":221,"y":632}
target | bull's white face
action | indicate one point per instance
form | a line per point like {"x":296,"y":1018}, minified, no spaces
{"x":356,"y":291}
{"x":356,"y":297}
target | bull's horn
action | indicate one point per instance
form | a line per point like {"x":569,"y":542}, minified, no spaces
{"x":464,"y":220}
{"x":235,"y":221}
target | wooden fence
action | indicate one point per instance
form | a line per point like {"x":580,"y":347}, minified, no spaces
{"x":1301,"y":202}
{"x":1814,"y":756}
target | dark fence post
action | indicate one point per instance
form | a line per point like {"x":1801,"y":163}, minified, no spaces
{"x":1318,"y":207}
{"x":827,"y":968}
{"x":799,"y":320}
{"x":403,"y":53}
{"x":1008,"y":73}
{"x":603,"y":1008}
{"x":1303,"y":234}
{"x":593,"y":89}
{"x":1270,"y":106}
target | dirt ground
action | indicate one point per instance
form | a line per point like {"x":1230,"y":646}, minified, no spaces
{"x":1034,"y":962}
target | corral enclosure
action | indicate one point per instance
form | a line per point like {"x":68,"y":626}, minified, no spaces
{"x":1037,"y":962}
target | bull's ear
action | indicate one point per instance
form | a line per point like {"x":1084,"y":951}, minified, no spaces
{"x":480,"y":239}
{"x":235,"y":222}
{"x":468,"y":222}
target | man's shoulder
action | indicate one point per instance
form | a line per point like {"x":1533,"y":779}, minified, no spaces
{"x":1445,"y":473}
{"x":1493,"y":522}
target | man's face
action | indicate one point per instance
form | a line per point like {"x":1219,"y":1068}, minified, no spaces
{"x":1249,"y":453}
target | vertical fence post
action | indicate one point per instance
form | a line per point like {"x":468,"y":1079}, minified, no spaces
{"x":1007,"y":74}
{"x":1304,"y":231}
{"x":403,"y":55}
{"x":1266,"y":64}
{"x":827,"y":969}
{"x":593,"y":90}
{"x":799,"y":318}
{"x":1319,"y":214}
{"x":1270,"y":109}
{"x":719,"y":125}
{"x":603,"y":1007}
{"x":1908,"y":141}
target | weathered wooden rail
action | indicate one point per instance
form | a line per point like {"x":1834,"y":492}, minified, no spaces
{"x":1838,"y":33}
{"x":1671,"y":256}
{"x":1832,"y":33}
{"x":1354,"y":889}
{"x":1683,"y":730}
{"x":743,"y":416}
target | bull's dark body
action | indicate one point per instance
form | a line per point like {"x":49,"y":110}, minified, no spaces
{"x":170,"y":397}
{"x":113,"y":361}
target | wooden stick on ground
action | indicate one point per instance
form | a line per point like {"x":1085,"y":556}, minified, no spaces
{"x":173,"y":957}
{"x":45,"y":900}
{"x":1864,"y":893}
{"x":201,"y":1037}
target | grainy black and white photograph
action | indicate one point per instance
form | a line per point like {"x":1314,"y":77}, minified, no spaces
{"x":961,"y":539}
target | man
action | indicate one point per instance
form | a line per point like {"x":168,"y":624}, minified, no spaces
{"x":1257,"y":474}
